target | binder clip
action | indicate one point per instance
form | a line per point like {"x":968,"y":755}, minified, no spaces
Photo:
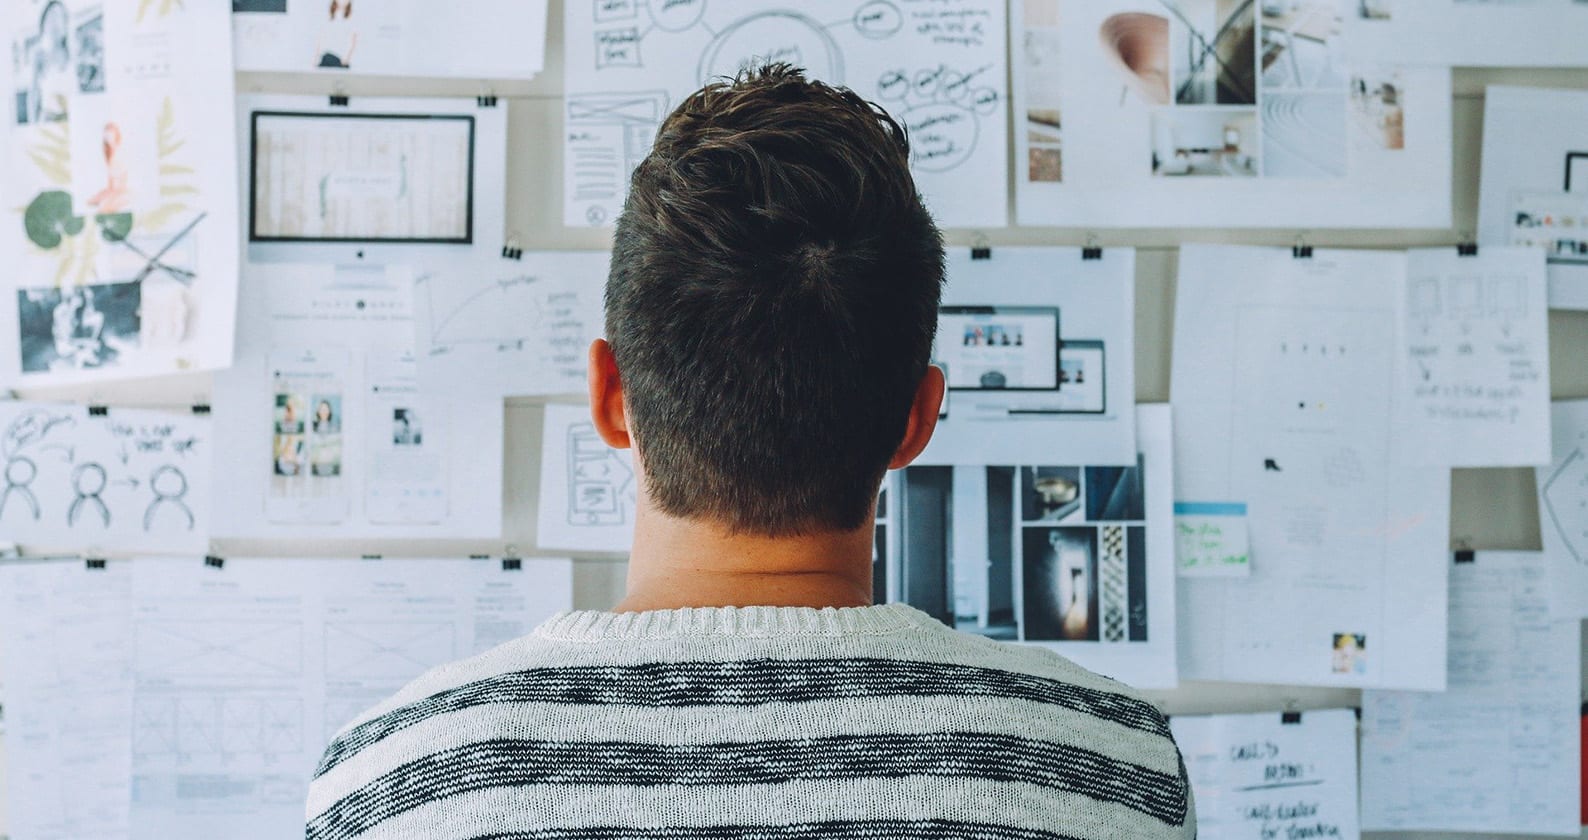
{"x":369,"y":557}
{"x":1467,"y":249}
{"x":1289,"y":718}
{"x":512,"y":564}
{"x":201,"y":409}
{"x":980,"y":249}
{"x":1301,"y":250}
{"x":94,"y":563}
{"x":486,"y":100}
{"x":1466,"y":555}
{"x":98,"y":411}
{"x":1091,"y":251}
{"x":213,"y":562}
{"x":338,"y":99}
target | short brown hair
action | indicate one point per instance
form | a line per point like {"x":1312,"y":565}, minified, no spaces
{"x":772,"y":303}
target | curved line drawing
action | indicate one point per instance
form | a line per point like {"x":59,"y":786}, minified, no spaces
{"x":835,"y":57}
{"x":88,"y":481}
{"x":166,"y":473}
{"x":19,"y":474}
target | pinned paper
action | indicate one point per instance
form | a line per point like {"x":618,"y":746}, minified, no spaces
{"x":1211,"y":539}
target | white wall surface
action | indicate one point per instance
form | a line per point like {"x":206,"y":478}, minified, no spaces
{"x":1491,"y":509}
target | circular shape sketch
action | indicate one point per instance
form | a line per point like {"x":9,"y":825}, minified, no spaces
{"x":676,"y":15}
{"x":773,"y":36}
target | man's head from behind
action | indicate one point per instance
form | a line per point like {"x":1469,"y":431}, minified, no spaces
{"x":771,"y":307}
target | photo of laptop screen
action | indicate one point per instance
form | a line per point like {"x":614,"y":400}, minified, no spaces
{"x":999,"y":348}
{"x":329,"y":177}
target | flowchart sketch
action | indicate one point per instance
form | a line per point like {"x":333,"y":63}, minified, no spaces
{"x":502,"y":329}
{"x":1473,"y":377}
{"x":938,"y":66}
{"x":80,"y":479}
{"x":587,"y":489}
{"x":1563,"y":509}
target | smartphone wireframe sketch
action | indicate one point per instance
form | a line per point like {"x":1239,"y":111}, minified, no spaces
{"x":596,"y":479}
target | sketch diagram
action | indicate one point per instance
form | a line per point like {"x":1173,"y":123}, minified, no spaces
{"x":218,"y":649}
{"x":587,"y":489}
{"x":216,"y":725}
{"x":600,"y":484}
{"x":527,"y":332}
{"x":397,"y":651}
{"x":75,"y":480}
{"x":1565,"y":501}
{"x":940,"y":68}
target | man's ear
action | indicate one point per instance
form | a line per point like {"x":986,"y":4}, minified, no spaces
{"x":606,"y":396}
{"x":923,"y":418}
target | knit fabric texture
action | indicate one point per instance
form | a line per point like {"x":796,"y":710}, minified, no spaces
{"x":759,"y":722}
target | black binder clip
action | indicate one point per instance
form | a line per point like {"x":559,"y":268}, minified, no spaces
{"x":1466,"y":555}
{"x":369,"y":557}
{"x":1467,"y":249}
{"x":512,"y":564}
{"x":1092,"y":250}
{"x":1290,"y":717}
{"x":1301,"y":251}
{"x":201,"y":409}
{"x":486,"y":100}
{"x":94,"y":563}
{"x":213,"y":562}
{"x":338,"y":100}
{"x":981,"y":249}
{"x":98,"y":411}
{"x":511,"y":249}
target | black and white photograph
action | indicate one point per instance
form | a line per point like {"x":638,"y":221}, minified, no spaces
{"x":1059,"y":582}
{"x":45,"y":78}
{"x":1050,"y":494}
{"x":1217,"y":142}
{"x":1304,"y":135}
{"x":1302,"y":45}
{"x":1115,"y":494}
{"x":405,"y":428}
{"x":89,"y":42}
{"x":956,"y":553}
{"x":77,"y":327}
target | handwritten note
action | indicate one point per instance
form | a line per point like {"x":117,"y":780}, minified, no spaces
{"x":1211,"y":539}
{"x":1257,"y":777}
{"x":1474,"y":375}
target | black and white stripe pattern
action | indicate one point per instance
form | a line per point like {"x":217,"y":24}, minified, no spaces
{"x":739,"y":733}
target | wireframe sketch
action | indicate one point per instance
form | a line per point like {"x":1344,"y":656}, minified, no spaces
{"x":396,"y":651}
{"x":940,"y":68}
{"x":600,"y":485}
{"x":214,"y":649}
{"x":209,"y":724}
{"x":325,"y":176}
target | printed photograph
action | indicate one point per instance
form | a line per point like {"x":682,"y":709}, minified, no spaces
{"x":1376,"y":110}
{"x":1302,"y":45}
{"x":287,"y":452}
{"x":1212,"y":142}
{"x":1116,"y":494}
{"x":1136,"y":45}
{"x":1304,"y":135}
{"x":338,"y":37}
{"x":325,"y":444}
{"x":956,"y":560}
{"x":290,"y":409}
{"x":276,"y":7}
{"x":1350,"y":653}
{"x":44,"y":73}
{"x":1211,"y":46}
{"x":405,"y":428}
{"x":1044,"y":90}
{"x":79,"y":327}
{"x":1050,"y":494}
{"x":327,"y":413}
{"x":89,"y":41}
{"x":1059,"y":573}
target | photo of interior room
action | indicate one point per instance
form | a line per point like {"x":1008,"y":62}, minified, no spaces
{"x":1205,"y":142}
{"x":1377,"y":111}
{"x":1212,"y":48}
{"x":1302,"y":44}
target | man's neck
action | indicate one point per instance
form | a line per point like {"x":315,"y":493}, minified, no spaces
{"x":679,"y":563}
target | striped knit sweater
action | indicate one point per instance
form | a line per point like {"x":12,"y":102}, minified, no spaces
{"x":766,"y":722}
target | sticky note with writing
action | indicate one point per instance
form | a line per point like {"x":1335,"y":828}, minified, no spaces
{"x":1211,"y":539}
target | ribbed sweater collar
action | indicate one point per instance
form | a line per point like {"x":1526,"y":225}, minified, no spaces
{"x":748,"y":622}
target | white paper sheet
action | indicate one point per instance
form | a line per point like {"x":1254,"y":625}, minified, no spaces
{"x":1256,"y":777}
{"x":1563,"y":509}
{"x":1492,"y":753}
{"x":1078,"y":559}
{"x":323,"y":430}
{"x":1473,"y":376}
{"x":1008,"y":398}
{"x":1474,"y":33}
{"x":245,"y":671}
{"x":127,"y":480}
{"x":1155,"y":113}
{"x":509,"y":327}
{"x":120,"y":220}
{"x":938,"y":66}
{"x":493,"y":39}
{"x":379,"y":180}
{"x":587,"y":489}
{"x":1282,"y":391}
{"x":68,"y":679}
{"x":1534,"y":187}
